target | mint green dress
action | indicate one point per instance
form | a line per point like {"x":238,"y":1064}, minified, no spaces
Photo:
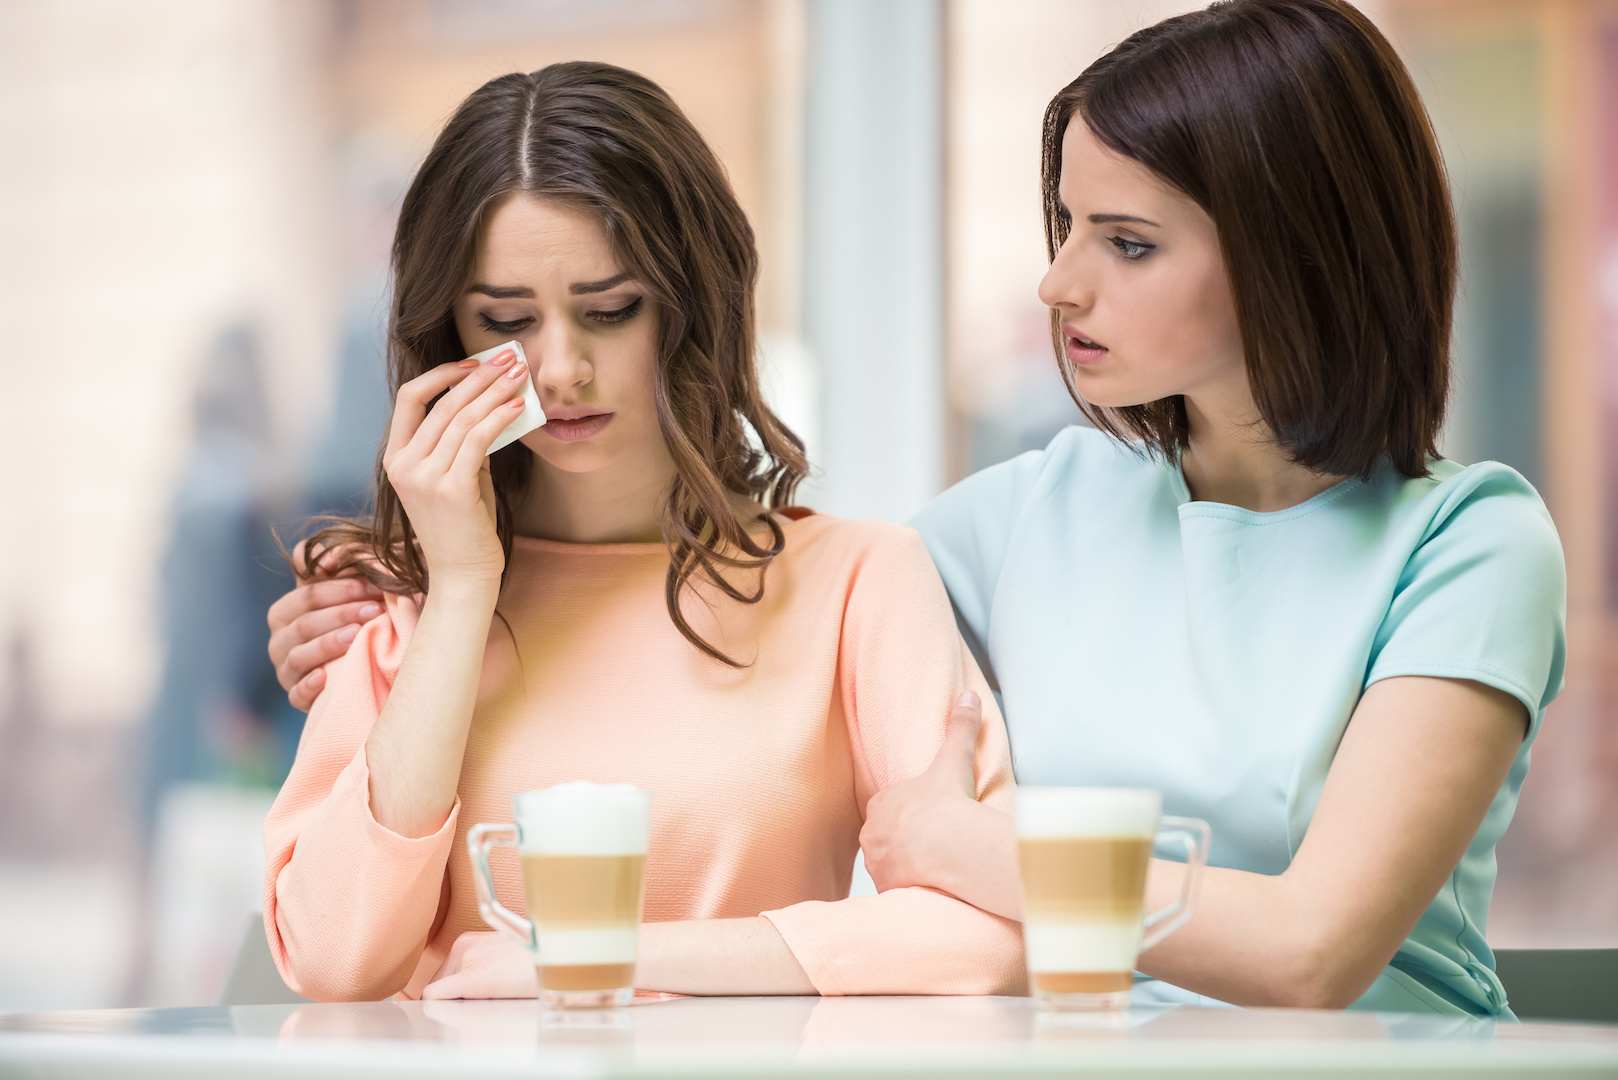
{"x":1137,"y":638}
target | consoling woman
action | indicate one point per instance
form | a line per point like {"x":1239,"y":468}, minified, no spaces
{"x":1254,"y":585}
{"x":1257,"y":587}
{"x":624,"y":595}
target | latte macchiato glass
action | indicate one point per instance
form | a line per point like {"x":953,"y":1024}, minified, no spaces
{"x":1084,"y":855}
{"x":583,"y":849}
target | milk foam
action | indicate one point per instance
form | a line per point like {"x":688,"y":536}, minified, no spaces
{"x":1044,"y":813}
{"x":1082,"y":946}
{"x":581,"y":818}
{"x":532,"y":415}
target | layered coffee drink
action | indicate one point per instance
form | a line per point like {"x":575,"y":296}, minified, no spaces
{"x":1084,"y":855}
{"x":583,"y":849}
{"x":583,"y":863}
{"x":1084,"y":916}
{"x":585,"y":910}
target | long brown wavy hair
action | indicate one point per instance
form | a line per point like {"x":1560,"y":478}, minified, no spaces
{"x":612,"y":143}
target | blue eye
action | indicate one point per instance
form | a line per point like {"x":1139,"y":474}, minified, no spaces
{"x":1130,"y":249}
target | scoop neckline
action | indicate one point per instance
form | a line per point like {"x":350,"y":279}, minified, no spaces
{"x":1188,"y":506}
{"x":791,"y":514}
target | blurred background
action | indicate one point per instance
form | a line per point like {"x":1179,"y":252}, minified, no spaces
{"x":196,"y":200}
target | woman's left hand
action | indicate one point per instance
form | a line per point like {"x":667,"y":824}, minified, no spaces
{"x":484,"y":964}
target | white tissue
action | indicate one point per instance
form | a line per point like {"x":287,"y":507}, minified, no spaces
{"x":532,"y":416}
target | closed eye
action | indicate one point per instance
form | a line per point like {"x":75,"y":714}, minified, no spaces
{"x":497,"y":327}
{"x":618,"y":315}
{"x":1130,"y":249}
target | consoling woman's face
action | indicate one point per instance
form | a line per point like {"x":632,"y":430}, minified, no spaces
{"x":1140,"y":285}
{"x":546,"y":276}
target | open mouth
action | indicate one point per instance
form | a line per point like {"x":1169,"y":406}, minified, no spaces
{"x":1081,"y":349}
{"x":576,"y":428}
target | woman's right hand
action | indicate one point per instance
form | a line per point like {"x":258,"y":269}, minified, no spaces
{"x":437,"y":462}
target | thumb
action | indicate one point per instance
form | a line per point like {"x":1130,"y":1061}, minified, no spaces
{"x":956,"y":757}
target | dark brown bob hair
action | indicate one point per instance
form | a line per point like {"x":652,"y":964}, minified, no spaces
{"x":1296,"y":127}
{"x":609,"y":142}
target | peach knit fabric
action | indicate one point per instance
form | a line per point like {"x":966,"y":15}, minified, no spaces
{"x":759,"y":775}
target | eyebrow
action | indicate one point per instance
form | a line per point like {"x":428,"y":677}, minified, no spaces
{"x":579,"y":288}
{"x":501,"y":292}
{"x":1120,"y":219}
{"x":509,"y":292}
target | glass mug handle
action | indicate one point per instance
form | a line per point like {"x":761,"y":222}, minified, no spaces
{"x":1195,"y":834}
{"x":479,"y":839}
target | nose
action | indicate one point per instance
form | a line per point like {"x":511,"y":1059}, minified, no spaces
{"x":1066,"y":284}
{"x":560,"y":360}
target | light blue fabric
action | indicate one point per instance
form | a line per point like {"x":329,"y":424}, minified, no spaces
{"x":1138,"y":638}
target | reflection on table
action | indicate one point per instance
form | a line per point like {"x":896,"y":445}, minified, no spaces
{"x":963,"y":1036}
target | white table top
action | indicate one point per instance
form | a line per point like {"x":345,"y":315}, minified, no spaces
{"x":767,"y":1037}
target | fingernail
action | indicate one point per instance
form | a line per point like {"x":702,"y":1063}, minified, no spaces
{"x":370,"y":611}
{"x":517,"y":371}
{"x":468,"y":362}
{"x":968,"y":700}
{"x":318,"y":675}
{"x":502,"y":359}
{"x":346,"y":634}
{"x":516,"y":403}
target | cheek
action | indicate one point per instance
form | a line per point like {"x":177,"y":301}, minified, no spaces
{"x":465,"y":331}
{"x":638,"y":367}
{"x":1189,"y":322}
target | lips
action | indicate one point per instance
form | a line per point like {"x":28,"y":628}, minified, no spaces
{"x":577,"y":427}
{"x":1081,"y":349}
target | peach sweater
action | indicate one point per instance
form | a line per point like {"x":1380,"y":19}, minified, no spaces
{"x":759,"y":775}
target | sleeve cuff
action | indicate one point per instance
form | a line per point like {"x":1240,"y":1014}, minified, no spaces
{"x":353,"y":787}
{"x":903,"y":941}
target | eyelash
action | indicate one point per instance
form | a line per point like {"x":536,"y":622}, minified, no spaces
{"x":1130,"y":249}
{"x":502,"y":327}
{"x":621,"y":315}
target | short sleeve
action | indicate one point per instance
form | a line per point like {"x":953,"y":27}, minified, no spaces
{"x":1483,"y":596}
{"x":967,"y":531}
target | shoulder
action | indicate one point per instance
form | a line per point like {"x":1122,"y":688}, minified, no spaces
{"x":1079,"y":466}
{"x":851,"y":541}
{"x":380,"y":643}
{"x":1481,"y":589}
{"x":1485,"y":511}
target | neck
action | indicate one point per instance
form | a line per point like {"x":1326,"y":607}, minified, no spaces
{"x":618,"y":505}
{"x":1233,"y":458}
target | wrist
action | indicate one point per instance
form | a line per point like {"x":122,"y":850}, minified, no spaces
{"x":464,"y":591}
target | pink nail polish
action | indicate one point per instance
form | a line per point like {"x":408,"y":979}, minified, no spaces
{"x":517,"y":372}
{"x":502,"y":359}
{"x":468,"y":363}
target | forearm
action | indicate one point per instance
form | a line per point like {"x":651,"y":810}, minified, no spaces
{"x":414,"y":752}
{"x":718,"y":957}
{"x":979,"y":865}
{"x":1258,"y":939}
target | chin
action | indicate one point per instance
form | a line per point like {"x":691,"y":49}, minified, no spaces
{"x":1110,"y":393}
{"x":567,"y":457}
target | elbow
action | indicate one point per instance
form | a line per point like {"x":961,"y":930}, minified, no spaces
{"x":327,"y":975}
{"x":1326,"y":970}
{"x":329,"y":982}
